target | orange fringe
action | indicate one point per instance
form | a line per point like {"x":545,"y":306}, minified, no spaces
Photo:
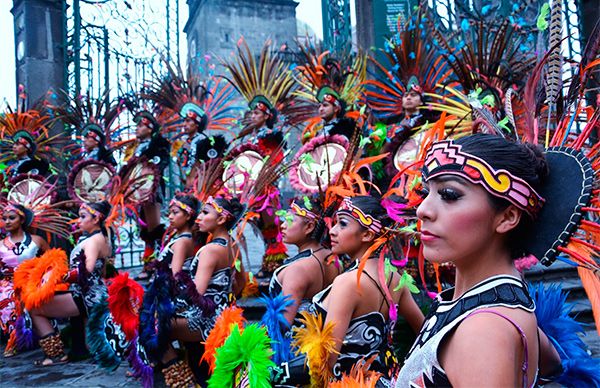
{"x":223,"y":326}
{"x":46,"y":274}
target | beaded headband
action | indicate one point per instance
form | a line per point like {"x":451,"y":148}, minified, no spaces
{"x":366,"y":220}
{"x":13,"y":208}
{"x":186,"y":208}
{"x":445,"y":158}
{"x":303,"y":212}
{"x":331,"y":99}
{"x":221,"y":210}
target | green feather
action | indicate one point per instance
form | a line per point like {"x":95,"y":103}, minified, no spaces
{"x":407,"y":281}
{"x":542,"y":23}
{"x":247,"y":352}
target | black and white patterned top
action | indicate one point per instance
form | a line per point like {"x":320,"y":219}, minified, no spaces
{"x":219,"y":290}
{"x":90,"y":289}
{"x":422,"y":367}
{"x":367,"y":335}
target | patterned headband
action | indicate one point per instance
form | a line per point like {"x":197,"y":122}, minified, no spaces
{"x":221,"y":210}
{"x":302,"y":212}
{"x":186,"y":208}
{"x":90,"y":210}
{"x":366,"y":220}
{"x":445,"y":158}
{"x":13,"y":208}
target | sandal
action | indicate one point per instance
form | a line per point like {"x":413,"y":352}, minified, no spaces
{"x":54,"y":349}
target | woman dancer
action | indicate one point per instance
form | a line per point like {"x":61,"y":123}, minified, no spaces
{"x":85,"y":278}
{"x":467,"y":220}
{"x":214,"y":278}
{"x":17,"y":246}
{"x":309,"y":272}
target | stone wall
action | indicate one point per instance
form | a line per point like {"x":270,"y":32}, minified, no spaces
{"x":215,"y":26}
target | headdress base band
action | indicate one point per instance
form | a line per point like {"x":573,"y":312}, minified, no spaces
{"x":12,"y":208}
{"x":186,"y":208}
{"x":302,"y":212}
{"x":211,"y":201}
{"x":366,"y":220}
{"x":447,"y":158}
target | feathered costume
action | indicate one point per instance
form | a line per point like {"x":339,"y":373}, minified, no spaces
{"x":32,"y":129}
{"x":323,"y":78}
{"x":266,"y":85}
{"x":209,"y":104}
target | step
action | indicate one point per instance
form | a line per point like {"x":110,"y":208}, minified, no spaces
{"x":557,"y":270}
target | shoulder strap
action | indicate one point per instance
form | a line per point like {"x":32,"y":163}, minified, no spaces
{"x":379,"y":288}
{"x":521,"y":333}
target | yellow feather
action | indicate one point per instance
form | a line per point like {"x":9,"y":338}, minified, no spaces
{"x":318,"y":343}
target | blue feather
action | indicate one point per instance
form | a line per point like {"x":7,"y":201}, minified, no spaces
{"x":552,"y":313}
{"x":277,"y":326}
{"x":105,"y":355}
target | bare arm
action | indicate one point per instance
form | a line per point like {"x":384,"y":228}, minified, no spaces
{"x":239,"y":280}
{"x":491,"y":348}
{"x":207,"y":262}
{"x":92,"y":252}
{"x":295,"y":286}
{"x":181,"y":251}
{"x":550,"y":364}
{"x":342,"y":301}
{"x":408,"y":308}
{"x":41,"y":243}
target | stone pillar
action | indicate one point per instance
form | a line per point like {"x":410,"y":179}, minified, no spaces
{"x":39,"y":46}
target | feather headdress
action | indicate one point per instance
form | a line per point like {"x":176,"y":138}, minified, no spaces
{"x":264,"y":81}
{"x":411,"y":61}
{"x":179,"y":95}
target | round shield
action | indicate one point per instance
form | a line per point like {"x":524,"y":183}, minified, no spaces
{"x":408,"y":151}
{"x":31,"y":190}
{"x":89,"y":181}
{"x":318,"y":163}
{"x":142,"y":181}
{"x":242,"y":170}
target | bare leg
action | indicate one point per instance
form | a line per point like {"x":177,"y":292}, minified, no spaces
{"x":61,"y":306}
{"x":181,"y":332}
{"x":152,"y":215}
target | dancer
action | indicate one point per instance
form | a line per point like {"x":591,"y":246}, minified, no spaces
{"x":266,"y":86}
{"x":153,"y":148}
{"x":206,"y":109}
{"x":18,"y":245}
{"x":298,"y":277}
{"x":86,"y":286}
{"x":214,"y":275}
{"x":464,"y":218}
{"x":363,"y":300}
{"x":329,"y":92}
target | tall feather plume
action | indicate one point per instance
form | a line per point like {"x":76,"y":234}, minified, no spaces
{"x":553,"y":80}
{"x":590,"y":53}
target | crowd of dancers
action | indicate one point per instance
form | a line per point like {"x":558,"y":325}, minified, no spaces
{"x":427,"y":177}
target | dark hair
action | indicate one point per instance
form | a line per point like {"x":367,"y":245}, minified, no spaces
{"x":271,"y":119}
{"x":372,"y":206}
{"x":102,"y":207}
{"x":28,"y":215}
{"x":192,"y":202}
{"x":320,"y":232}
{"x":523,"y":160}
{"x":234,"y":207}
{"x":343,"y":107}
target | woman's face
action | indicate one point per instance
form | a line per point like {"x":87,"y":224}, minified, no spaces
{"x":178,"y":219}
{"x":296,"y":229}
{"x":347,"y":236}
{"x":12,"y":221}
{"x":209,"y":220}
{"x":87,"y":222}
{"x":458,"y":221}
{"x":142,"y":131}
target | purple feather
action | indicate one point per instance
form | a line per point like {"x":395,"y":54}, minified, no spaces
{"x":140,"y":369}
{"x":187,"y":288}
{"x":24,"y":334}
